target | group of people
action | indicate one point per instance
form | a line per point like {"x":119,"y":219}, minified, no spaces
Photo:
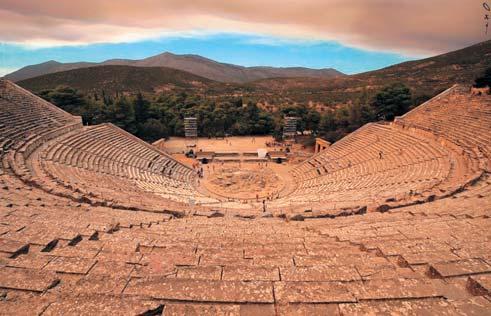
{"x":271,"y":196}
{"x":274,"y":144}
{"x":262,"y":163}
{"x":198,"y":169}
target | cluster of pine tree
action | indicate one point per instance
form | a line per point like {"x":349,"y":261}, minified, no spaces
{"x":163,"y":115}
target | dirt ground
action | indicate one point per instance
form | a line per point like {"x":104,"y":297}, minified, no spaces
{"x":246,"y":181}
{"x":236,"y":143}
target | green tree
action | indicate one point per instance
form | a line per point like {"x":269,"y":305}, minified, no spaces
{"x":122,"y":114}
{"x":264,"y":125}
{"x":94,"y":113}
{"x":312,"y":119}
{"x":484,"y":80}
{"x":359,"y":114}
{"x":392,"y":101}
{"x":367,"y":115}
{"x":420,"y":99}
{"x":328,"y":122}
{"x":141,"y":107}
{"x":153,"y":130}
{"x":342,"y":116}
{"x":67,"y":98}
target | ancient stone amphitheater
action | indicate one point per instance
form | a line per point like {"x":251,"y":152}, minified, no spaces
{"x":393,"y":219}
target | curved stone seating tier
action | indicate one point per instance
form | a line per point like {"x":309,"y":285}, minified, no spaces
{"x":102,"y":161}
{"x":24,"y":118}
{"x":106,"y":147}
{"x":24,"y":112}
{"x":458,"y":117}
{"x":376,"y":163}
{"x":110,"y":188}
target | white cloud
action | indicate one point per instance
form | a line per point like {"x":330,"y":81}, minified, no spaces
{"x":6,"y":70}
{"x":405,"y":26}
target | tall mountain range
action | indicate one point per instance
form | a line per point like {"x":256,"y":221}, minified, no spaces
{"x":194,"y":64}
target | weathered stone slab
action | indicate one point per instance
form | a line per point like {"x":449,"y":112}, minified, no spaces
{"x":29,"y":261}
{"x":320,"y":273}
{"x":99,"y":284}
{"x":219,"y":310}
{"x":70,"y":265}
{"x":173,"y":247}
{"x":200,"y":273}
{"x":412,"y":246}
{"x":224,"y":250}
{"x":12,"y":246}
{"x":473,"y":306}
{"x":133,"y":257}
{"x":257,"y":309}
{"x":429,"y":257}
{"x":121,"y":246}
{"x":141,"y":271}
{"x":454,"y":288}
{"x":400,"y":289}
{"x":201,"y":309}
{"x":319,"y":252}
{"x":252,"y":273}
{"x":164,"y":264}
{"x":273,"y":261}
{"x":480,"y":284}
{"x":413,"y":308}
{"x":35,"y":306}
{"x":4,"y":229}
{"x":113,"y":268}
{"x":74,"y":252}
{"x":29,"y":280}
{"x":308,"y":310}
{"x":475,"y":250}
{"x":459,"y":268}
{"x":312,"y":292}
{"x":170,"y":259}
{"x":202,"y":290}
{"x":215,"y":260}
{"x":274,"y":250}
{"x":386,"y":271}
{"x":100,"y":305}
{"x":339,"y":260}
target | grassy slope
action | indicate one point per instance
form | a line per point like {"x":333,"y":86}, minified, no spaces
{"x":425,"y":77}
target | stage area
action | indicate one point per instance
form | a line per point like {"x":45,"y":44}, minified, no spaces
{"x":175,"y":145}
{"x":236,"y":175}
{"x":246,"y":181}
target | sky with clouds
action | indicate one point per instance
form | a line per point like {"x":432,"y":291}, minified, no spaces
{"x":350,"y":35}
